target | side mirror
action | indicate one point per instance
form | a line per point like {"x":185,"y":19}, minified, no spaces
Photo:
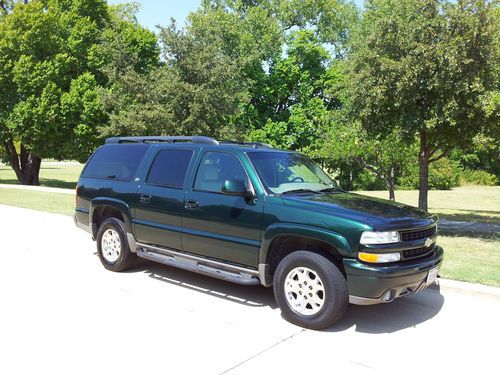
{"x":236,"y":188}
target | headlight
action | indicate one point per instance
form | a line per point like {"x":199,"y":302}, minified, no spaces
{"x":379,"y":258}
{"x":376,"y":238}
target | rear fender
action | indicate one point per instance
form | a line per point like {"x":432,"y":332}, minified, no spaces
{"x":122,"y":207}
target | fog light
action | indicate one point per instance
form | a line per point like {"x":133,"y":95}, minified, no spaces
{"x":387,"y":296}
{"x":379,"y":258}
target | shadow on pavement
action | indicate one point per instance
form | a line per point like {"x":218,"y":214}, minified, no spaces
{"x":249,"y":295}
{"x":402,"y":313}
{"x":384,"y":318}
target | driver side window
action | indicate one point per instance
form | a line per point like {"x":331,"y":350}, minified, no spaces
{"x":215,"y":168}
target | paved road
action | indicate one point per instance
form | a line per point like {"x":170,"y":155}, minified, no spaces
{"x":62,"y":313}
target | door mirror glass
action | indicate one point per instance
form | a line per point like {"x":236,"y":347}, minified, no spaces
{"x":235,"y":187}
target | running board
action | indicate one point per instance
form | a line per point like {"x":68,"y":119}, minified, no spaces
{"x":209,"y":267}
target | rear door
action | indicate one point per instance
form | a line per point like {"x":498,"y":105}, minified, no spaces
{"x":160,"y":206}
{"x":217,"y":225}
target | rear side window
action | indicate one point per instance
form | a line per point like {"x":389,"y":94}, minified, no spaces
{"x":118,"y":162}
{"x":169,"y":168}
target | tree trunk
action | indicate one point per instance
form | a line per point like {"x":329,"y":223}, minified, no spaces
{"x":32,"y":170}
{"x":25,"y":164}
{"x":390,"y":183}
{"x":423,"y":161}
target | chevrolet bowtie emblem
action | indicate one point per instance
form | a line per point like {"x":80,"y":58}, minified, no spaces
{"x":428,"y":242}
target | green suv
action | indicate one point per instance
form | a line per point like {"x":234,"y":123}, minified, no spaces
{"x":251,"y":214}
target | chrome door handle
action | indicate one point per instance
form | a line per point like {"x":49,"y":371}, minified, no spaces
{"x":191,"y":204}
{"x":145,"y":199}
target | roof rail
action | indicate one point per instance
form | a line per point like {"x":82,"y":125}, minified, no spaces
{"x":258,"y":144}
{"x":251,"y":144}
{"x":167,"y":139}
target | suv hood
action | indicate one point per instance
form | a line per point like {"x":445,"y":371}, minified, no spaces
{"x":379,"y":213}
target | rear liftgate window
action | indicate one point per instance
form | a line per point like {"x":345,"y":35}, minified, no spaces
{"x":118,"y":162}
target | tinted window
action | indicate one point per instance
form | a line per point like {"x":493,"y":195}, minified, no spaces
{"x":216,"y":168}
{"x":169,"y":168}
{"x":115,"y":161}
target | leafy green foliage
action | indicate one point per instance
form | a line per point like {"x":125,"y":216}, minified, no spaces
{"x":426,"y":68}
{"x":369,"y":94}
{"x":444,"y":174}
{"x":43,"y":63}
{"x":350,"y":145}
{"x":51,"y":58}
{"x":295,"y":96}
{"x":477,"y":177}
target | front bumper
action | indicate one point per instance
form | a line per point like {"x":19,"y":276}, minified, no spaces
{"x":372,"y":284}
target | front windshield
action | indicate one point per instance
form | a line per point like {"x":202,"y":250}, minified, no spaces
{"x":283,"y":172}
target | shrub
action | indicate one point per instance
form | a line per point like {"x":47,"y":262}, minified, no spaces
{"x":368,"y":181}
{"x":477,"y":177}
{"x":444,"y":174}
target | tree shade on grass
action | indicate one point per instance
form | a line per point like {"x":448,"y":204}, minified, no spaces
{"x":59,"y":175}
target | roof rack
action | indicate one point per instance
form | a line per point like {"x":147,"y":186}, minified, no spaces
{"x":167,"y":139}
{"x":251,"y":144}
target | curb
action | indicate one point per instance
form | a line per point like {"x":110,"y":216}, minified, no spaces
{"x":38,"y":188}
{"x":467,"y":287}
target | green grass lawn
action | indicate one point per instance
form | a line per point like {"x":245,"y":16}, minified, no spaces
{"x":39,"y":200}
{"x":470,"y":259}
{"x":466,"y":203}
{"x":52,"y":174}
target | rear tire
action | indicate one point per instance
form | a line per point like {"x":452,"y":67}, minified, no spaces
{"x":112,"y":246}
{"x":310,"y":290}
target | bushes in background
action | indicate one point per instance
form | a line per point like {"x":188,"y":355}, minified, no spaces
{"x":477,"y":177}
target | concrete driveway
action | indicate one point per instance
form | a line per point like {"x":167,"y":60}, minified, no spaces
{"x":62,"y":313}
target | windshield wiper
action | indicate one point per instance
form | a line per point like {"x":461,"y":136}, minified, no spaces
{"x":330,"y":189}
{"x":300,"y":191}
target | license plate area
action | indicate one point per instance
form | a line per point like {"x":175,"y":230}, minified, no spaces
{"x":432,"y":275}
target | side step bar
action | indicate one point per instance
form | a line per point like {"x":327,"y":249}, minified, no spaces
{"x":209,"y":267}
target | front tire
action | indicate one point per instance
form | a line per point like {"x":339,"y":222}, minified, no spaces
{"x":112,"y":246}
{"x":310,"y":290}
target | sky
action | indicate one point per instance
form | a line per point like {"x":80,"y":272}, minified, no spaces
{"x":159,"y":12}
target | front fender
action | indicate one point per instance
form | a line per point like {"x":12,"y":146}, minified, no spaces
{"x":291,"y":229}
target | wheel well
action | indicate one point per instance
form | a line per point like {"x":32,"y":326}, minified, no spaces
{"x":282,"y":246}
{"x":102,"y":213}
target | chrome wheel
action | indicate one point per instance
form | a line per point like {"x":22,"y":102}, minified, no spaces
{"x":304,"y":291}
{"x":111,"y":245}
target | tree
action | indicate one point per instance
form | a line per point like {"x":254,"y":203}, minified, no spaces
{"x":49,"y":101}
{"x":296,"y":95}
{"x":225,"y":73}
{"x":387,"y":158}
{"x":426,"y":69}
{"x":51,"y":58}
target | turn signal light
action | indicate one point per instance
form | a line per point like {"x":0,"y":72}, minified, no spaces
{"x":379,"y":258}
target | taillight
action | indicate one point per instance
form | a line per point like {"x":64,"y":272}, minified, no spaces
{"x":76,"y":196}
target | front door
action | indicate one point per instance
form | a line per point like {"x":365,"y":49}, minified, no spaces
{"x":217,"y":225}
